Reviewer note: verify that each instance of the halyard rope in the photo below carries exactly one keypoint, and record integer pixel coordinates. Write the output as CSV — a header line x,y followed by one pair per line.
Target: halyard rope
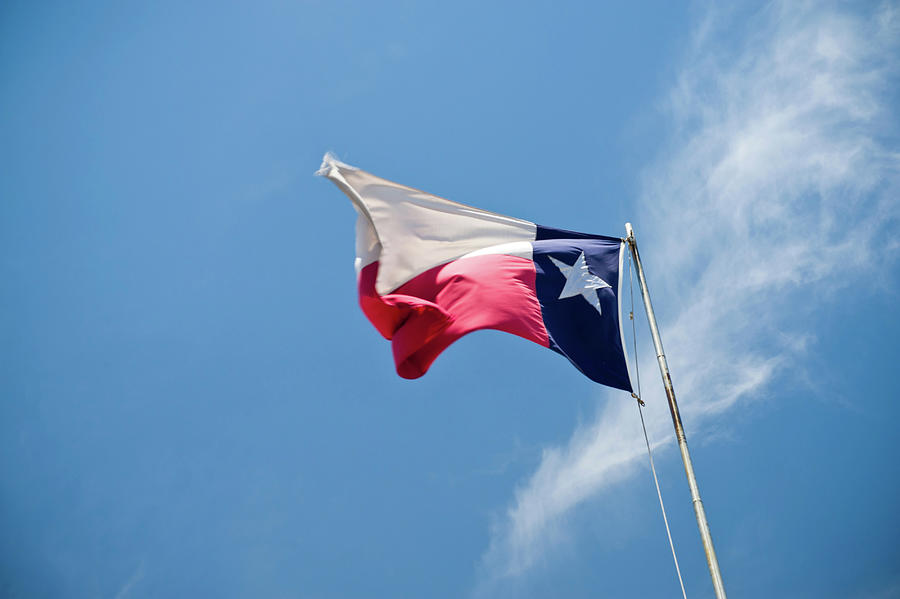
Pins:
x,y
640,403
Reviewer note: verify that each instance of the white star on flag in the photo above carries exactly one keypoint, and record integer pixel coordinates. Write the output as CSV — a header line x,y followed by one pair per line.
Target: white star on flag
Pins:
x,y
579,281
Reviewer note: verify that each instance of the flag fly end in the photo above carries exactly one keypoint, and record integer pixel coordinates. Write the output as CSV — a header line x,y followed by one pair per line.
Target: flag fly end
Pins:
x,y
330,163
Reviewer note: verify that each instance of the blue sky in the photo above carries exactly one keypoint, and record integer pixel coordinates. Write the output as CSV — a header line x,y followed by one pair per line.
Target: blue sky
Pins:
x,y
194,405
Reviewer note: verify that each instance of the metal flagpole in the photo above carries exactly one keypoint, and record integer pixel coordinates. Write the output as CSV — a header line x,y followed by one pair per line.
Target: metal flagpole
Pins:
x,y
711,560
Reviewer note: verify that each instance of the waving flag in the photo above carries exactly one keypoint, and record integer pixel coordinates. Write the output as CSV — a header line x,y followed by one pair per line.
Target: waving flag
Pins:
x,y
431,270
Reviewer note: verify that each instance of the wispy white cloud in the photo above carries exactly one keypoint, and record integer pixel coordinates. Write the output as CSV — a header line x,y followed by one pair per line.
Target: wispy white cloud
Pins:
x,y
135,578
779,183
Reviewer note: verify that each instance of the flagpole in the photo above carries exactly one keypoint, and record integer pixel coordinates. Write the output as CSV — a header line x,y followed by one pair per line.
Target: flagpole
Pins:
x,y
702,524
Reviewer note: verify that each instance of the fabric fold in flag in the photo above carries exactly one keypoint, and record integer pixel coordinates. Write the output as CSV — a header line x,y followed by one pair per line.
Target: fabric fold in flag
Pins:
x,y
430,270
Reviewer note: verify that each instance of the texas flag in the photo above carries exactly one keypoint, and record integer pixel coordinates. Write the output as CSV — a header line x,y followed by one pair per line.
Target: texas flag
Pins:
x,y
431,270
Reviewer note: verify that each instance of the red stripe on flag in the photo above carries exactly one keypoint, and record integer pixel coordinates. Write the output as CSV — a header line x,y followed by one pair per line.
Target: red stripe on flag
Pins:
x,y
425,315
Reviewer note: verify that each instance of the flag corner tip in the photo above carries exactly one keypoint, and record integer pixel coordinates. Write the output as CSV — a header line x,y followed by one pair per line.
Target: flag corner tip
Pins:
x,y
330,162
